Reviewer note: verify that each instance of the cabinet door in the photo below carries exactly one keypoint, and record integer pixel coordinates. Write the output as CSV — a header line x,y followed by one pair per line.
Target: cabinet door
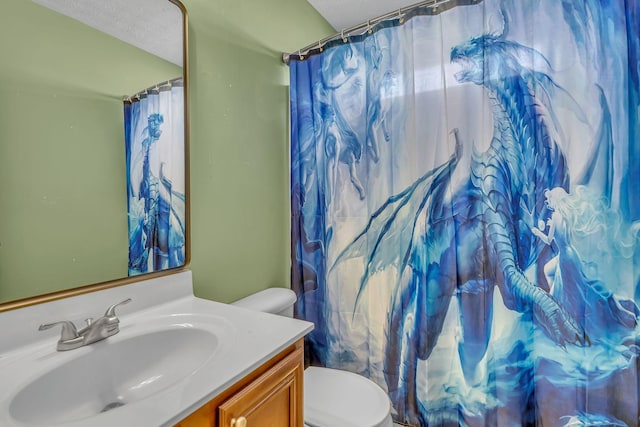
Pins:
x,y
274,399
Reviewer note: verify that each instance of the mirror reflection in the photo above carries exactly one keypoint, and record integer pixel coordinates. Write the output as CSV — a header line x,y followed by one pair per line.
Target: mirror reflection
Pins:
x,y
92,145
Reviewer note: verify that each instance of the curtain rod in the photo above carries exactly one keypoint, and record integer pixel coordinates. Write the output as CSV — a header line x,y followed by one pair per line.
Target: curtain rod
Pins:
x,y
358,32
136,97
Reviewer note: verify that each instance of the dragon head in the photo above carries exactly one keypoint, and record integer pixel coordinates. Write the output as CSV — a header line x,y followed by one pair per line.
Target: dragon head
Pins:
x,y
490,58
475,58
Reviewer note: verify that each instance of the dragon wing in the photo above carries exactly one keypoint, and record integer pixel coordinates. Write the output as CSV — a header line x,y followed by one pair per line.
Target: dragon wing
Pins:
x,y
388,237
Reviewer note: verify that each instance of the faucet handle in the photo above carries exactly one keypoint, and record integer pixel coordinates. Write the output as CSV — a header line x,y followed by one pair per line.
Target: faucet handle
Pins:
x,y
69,331
111,311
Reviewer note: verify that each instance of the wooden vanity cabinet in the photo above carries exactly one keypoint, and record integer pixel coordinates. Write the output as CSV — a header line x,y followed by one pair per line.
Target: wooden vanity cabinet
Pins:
x,y
270,396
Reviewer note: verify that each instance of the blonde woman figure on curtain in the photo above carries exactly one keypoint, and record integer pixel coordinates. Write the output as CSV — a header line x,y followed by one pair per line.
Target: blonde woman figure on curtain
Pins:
x,y
583,220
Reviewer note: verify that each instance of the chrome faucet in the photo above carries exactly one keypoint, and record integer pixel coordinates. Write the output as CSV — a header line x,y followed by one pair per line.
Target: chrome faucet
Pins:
x,y
97,330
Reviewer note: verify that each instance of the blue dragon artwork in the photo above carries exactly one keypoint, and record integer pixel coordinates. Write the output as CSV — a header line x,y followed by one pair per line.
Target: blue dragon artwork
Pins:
x,y
155,181
464,219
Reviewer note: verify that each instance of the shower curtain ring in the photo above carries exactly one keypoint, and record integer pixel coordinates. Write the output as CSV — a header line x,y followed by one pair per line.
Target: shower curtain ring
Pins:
x,y
319,46
369,30
342,36
300,55
400,16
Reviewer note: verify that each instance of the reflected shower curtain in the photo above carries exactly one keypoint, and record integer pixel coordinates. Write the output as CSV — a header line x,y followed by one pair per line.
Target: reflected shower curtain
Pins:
x,y
465,211
154,139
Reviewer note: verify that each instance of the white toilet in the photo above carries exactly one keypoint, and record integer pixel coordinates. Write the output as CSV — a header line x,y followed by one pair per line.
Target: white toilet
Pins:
x,y
332,398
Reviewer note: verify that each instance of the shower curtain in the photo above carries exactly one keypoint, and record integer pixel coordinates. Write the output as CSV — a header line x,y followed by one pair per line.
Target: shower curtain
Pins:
x,y
154,142
465,210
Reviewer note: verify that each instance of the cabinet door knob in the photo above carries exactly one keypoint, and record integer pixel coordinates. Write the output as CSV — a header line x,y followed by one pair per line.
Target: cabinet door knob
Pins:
x,y
239,422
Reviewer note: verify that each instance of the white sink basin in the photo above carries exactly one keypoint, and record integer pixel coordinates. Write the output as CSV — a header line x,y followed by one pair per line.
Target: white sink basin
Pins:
x,y
115,372
174,353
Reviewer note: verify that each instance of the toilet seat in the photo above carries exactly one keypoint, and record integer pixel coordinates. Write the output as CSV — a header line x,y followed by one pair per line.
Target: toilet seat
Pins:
x,y
335,398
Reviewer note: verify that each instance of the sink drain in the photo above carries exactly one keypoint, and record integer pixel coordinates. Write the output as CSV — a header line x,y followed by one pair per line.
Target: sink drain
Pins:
x,y
112,405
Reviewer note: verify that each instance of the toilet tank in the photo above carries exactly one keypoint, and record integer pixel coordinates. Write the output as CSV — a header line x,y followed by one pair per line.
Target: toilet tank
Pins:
x,y
272,300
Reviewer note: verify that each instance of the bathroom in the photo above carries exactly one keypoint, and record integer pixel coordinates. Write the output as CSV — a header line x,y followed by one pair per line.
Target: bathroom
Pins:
x,y
240,240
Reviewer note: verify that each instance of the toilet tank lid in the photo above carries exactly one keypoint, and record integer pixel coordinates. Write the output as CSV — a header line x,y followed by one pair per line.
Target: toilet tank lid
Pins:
x,y
271,300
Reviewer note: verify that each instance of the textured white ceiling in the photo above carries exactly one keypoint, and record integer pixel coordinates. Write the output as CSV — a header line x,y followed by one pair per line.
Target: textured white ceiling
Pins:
x,y
342,14
152,25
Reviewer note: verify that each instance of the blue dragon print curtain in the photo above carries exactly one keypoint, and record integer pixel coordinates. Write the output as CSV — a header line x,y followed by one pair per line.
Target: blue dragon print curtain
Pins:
x,y
154,140
464,192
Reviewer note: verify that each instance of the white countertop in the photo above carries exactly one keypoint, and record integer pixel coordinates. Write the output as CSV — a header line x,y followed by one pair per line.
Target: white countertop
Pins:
x,y
247,339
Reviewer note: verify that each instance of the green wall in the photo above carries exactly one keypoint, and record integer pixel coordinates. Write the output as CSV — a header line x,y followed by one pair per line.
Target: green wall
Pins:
x,y
239,140
239,145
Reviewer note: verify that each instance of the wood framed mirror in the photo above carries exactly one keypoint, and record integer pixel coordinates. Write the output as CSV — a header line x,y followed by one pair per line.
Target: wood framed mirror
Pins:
x,y
65,221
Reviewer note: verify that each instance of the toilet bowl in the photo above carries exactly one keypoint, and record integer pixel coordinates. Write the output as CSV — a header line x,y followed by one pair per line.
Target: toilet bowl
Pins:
x,y
332,397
